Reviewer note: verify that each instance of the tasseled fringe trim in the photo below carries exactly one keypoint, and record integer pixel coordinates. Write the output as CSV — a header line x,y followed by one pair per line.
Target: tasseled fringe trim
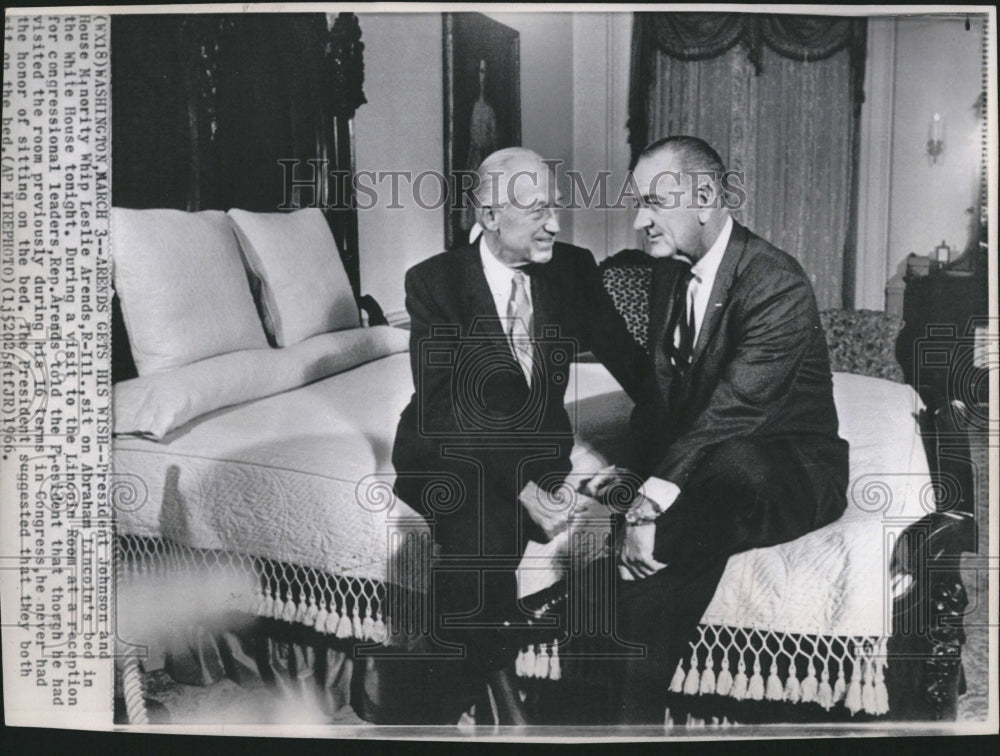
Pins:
x,y
539,661
824,670
332,605
692,721
327,617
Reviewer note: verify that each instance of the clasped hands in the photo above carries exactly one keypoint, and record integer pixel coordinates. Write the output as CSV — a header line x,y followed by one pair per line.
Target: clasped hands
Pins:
x,y
618,488
554,510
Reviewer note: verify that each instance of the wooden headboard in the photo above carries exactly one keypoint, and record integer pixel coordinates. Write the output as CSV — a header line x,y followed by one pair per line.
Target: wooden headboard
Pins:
x,y
205,106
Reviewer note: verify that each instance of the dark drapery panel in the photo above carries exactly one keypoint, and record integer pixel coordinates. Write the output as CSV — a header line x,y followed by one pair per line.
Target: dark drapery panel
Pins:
x,y
700,36
810,37
691,36
779,98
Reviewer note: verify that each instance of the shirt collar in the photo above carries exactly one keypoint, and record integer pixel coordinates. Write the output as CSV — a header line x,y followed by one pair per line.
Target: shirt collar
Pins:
x,y
706,268
498,275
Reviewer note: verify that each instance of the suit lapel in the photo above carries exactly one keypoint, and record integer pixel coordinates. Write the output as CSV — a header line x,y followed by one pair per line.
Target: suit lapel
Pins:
x,y
666,274
481,312
479,307
545,302
720,289
542,300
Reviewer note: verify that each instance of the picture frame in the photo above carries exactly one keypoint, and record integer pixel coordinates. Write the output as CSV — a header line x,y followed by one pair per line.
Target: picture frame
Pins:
x,y
482,105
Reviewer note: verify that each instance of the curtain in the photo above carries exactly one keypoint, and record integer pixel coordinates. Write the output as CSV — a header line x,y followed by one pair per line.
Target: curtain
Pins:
x,y
778,97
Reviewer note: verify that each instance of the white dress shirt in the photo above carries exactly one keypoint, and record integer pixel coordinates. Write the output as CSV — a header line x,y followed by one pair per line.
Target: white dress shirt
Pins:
x,y
499,279
700,288
664,492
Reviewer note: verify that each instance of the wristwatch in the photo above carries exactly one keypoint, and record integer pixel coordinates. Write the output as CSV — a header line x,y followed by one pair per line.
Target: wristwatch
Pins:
x,y
634,516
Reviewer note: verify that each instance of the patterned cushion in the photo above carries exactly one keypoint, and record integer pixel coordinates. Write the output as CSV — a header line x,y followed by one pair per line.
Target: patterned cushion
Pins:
x,y
627,276
860,341
863,342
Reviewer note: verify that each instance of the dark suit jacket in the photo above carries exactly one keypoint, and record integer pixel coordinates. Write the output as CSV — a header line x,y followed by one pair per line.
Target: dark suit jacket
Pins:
x,y
760,369
470,391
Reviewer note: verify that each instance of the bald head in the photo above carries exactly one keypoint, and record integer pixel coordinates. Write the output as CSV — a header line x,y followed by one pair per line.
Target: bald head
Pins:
x,y
516,200
510,177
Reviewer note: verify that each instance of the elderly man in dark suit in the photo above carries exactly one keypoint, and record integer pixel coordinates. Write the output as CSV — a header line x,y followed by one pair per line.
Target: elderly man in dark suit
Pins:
x,y
495,326
740,449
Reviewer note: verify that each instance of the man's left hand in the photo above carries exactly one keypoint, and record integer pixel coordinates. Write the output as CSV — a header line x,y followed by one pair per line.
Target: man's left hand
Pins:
x,y
635,552
552,511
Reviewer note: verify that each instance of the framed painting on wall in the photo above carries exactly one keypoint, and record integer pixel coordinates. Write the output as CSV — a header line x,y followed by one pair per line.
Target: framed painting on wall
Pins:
x,y
482,106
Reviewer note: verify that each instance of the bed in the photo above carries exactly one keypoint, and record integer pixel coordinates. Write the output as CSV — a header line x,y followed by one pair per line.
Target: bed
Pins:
x,y
271,465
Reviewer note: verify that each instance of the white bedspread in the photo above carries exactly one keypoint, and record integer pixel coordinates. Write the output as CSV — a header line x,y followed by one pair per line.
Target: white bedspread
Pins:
x,y
279,478
787,588
304,476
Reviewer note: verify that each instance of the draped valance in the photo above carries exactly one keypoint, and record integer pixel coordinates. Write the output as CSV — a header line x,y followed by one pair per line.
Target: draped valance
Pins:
x,y
698,36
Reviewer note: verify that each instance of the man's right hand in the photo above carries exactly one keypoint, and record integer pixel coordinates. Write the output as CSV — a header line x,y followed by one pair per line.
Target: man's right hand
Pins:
x,y
614,486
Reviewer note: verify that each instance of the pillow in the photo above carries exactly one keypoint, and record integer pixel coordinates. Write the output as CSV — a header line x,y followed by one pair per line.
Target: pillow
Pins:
x,y
304,287
863,342
156,404
872,412
182,287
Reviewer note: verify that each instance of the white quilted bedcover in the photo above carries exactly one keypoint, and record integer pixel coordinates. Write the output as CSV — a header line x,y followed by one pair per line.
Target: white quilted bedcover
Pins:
x,y
303,476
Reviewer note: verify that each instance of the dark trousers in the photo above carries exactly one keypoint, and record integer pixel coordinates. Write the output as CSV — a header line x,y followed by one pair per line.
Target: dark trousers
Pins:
x,y
744,494
481,537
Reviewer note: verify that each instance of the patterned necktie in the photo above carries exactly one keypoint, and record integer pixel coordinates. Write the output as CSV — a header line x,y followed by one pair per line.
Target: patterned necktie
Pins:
x,y
519,318
683,316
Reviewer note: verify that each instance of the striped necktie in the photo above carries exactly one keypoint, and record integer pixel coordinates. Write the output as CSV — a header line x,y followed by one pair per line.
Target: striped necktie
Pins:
x,y
519,319
683,319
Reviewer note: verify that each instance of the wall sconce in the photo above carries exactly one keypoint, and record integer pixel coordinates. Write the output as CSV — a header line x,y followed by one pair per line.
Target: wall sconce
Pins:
x,y
935,144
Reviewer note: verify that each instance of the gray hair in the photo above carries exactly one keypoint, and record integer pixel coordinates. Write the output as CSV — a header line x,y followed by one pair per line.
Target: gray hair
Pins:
x,y
493,174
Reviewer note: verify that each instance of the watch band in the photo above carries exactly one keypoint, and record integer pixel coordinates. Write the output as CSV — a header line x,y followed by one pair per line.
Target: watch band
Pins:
x,y
633,517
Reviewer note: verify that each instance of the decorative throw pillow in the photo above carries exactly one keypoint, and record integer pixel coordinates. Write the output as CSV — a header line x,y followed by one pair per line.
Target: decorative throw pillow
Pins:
x,y
182,286
304,288
627,276
863,342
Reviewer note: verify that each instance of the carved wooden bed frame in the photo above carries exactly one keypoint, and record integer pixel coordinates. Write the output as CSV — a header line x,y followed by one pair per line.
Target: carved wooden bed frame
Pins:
x,y
188,92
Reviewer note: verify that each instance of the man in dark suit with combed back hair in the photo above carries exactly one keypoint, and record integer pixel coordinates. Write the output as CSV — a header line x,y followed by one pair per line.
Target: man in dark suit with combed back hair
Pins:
x,y
739,449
